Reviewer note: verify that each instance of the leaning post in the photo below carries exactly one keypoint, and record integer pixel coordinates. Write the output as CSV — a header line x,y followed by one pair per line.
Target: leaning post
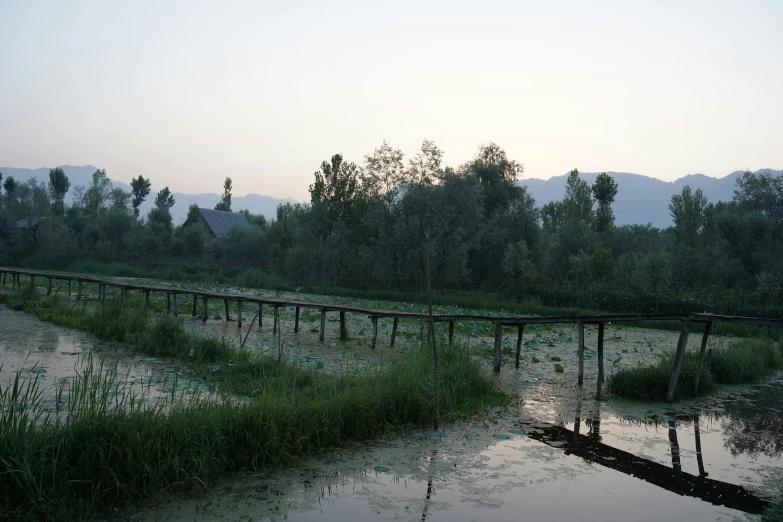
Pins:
x,y
498,345
260,315
678,358
394,331
600,360
239,313
704,340
581,349
520,333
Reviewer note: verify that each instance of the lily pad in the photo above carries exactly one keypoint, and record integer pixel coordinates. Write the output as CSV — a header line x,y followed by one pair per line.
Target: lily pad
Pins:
x,y
37,370
501,436
381,469
559,368
436,434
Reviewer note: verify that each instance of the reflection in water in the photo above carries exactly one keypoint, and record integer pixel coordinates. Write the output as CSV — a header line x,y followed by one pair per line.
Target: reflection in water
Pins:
x,y
430,477
699,458
677,481
754,425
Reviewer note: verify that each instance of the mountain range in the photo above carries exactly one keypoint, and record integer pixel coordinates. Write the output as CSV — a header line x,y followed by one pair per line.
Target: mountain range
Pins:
x,y
640,199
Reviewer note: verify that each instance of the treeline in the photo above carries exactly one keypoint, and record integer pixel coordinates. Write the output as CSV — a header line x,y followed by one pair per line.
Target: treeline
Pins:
x,y
371,225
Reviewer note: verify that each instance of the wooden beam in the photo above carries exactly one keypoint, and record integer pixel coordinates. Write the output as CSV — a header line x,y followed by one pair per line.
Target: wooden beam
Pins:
x,y
323,326
239,313
394,331
374,332
704,340
678,358
343,329
296,320
581,350
600,379
451,333
520,333
498,346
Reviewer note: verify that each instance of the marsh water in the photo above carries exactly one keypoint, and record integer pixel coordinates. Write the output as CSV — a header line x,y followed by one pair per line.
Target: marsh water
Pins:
x,y
554,454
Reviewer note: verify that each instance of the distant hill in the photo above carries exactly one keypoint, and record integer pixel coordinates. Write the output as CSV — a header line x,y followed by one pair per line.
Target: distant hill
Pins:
x,y
82,176
641,199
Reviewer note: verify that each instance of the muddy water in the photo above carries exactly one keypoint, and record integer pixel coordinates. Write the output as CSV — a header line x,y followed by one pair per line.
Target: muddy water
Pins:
x,y
629,461
54,356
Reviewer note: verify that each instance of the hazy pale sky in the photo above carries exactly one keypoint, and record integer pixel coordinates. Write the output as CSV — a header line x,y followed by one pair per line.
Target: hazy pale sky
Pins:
x,y
187,93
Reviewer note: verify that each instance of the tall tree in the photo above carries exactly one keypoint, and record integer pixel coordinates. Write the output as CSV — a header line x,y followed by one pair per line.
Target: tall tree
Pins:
x,y
58,187
335,188
761,192
9,185
225,201
383,173
604,190
497,175
193,215
164,199
578,202
688,213
140,188
97,194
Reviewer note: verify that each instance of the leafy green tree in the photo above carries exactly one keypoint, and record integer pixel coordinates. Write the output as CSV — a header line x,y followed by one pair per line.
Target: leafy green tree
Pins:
x,y
761,192
688,211
384,172
140,188
97,194
58,187
225,200
497,175
578,201
334,191
164,200
194,214
9,185
604,191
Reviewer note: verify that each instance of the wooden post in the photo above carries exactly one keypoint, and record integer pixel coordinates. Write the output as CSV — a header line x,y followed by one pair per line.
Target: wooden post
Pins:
x,y
239,313
704,339
520,333
228,313
343,329
451,333
3,278
174,302
146,299
195,308
374,332
101,292
275,319
79,290
204,309
394,331
49,286
261,314
600,360
681,345
581,349
13,281
498,346
675,446
296,320
69,288
323,326
168,301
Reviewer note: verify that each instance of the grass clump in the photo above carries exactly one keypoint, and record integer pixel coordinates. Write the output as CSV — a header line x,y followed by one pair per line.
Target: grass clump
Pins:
x,y
746,361
775,512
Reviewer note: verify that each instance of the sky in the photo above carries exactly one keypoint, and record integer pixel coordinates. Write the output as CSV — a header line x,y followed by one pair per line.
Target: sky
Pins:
x,y
187,93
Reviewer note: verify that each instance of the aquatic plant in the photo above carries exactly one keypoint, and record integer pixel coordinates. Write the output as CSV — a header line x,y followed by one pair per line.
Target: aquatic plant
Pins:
x,y
747,360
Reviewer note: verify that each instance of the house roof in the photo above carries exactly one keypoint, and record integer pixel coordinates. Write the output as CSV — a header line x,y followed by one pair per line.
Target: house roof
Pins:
x,y
220,222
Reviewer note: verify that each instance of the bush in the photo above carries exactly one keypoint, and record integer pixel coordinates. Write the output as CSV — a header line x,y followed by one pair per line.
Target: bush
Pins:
x,y
748,360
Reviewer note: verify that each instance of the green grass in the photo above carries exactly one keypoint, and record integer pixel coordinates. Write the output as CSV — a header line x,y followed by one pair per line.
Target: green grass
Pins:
x,y
104,449
746,361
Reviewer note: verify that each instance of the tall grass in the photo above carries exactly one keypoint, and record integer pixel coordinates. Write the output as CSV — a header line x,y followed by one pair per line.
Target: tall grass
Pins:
x,y
104,448
748,360
775,512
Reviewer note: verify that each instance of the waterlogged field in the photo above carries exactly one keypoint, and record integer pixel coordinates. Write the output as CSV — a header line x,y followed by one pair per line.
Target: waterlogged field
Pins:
x,y
517,461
